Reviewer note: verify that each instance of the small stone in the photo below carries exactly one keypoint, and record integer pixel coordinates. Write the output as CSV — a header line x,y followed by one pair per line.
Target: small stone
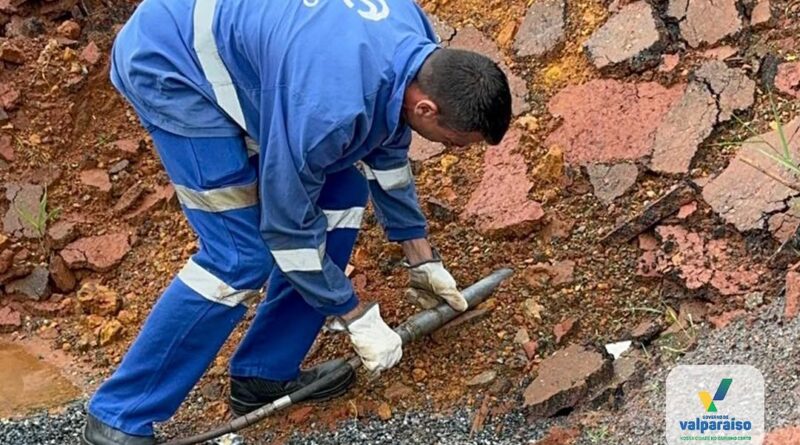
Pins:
x,y
762,13
99,253
721,53
119,166
444,32
551,169
500,204
384,411
562,329
530,349
630,38
397,392
422,149
482,379
10,320
440,211
11,53
6,259
62,233
542,30
725,318
110,331
506,33
532,309
91,53
61,275
787,80
97,179
522,336
35,286
687,210
612,181
69,29
618,348
94,298
300,415
792,305
9,96
129,198
669,62
161,196
560,436
558,273
127,145
645,331
126,317
565,378
7,148
753,300
419,374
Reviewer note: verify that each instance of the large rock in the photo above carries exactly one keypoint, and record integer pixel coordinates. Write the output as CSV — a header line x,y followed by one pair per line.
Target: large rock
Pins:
x,y
99,253
24,202
542,30
612,181
35,286
62,277
97,179
565,378
746,193
630,38
705,21
609,120
787,80
471,39
500,204
711,98
62,233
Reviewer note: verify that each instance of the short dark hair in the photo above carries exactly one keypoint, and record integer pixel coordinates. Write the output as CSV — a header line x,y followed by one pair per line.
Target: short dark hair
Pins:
x,y
470,90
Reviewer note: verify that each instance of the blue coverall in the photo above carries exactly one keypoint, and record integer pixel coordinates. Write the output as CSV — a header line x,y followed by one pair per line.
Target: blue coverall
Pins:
x,y
259,111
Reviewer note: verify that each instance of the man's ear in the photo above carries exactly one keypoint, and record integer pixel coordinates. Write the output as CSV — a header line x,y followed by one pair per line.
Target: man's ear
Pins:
x,y
426,108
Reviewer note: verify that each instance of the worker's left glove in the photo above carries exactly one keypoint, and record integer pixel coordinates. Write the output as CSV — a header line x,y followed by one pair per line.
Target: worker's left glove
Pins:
x,y
429,281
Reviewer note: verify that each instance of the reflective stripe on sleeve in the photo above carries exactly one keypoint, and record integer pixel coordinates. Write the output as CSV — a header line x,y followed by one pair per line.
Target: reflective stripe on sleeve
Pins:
x,y
212,288
299,260
207,53
218,200
395,178
344,219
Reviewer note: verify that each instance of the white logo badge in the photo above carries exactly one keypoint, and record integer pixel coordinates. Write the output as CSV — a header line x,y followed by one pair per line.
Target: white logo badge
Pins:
x,y
375,10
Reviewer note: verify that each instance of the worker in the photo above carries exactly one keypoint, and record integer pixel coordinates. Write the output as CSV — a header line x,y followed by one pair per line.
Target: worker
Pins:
x,y
275,122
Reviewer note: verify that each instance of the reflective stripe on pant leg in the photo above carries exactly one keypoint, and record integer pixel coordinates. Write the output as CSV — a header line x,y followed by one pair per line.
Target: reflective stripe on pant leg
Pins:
x,y
299,260
212,288
344,219
218,200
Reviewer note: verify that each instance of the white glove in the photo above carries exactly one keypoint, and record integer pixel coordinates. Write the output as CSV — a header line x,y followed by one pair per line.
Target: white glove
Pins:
x,y
375,342
431,279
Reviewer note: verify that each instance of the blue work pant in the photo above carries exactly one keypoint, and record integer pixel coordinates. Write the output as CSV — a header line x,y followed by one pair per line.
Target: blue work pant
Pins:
x,y
203,304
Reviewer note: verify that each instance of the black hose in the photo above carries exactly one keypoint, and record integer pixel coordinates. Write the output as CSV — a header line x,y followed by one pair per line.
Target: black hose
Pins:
x,y
418,325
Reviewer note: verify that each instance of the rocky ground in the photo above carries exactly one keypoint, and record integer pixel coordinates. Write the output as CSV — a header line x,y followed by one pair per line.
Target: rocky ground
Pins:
x,y
642,195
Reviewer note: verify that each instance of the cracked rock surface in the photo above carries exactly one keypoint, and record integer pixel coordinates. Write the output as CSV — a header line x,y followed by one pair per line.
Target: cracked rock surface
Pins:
x,y
743,195
608,120
705,21
98,253
711,98
24,203
630,37
543,28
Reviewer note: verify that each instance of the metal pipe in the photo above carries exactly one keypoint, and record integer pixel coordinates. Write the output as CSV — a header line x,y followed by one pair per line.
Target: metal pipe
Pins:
x,y
418,325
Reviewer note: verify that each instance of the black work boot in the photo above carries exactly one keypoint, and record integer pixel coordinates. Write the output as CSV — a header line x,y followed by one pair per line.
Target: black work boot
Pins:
x,y
96,432
251,393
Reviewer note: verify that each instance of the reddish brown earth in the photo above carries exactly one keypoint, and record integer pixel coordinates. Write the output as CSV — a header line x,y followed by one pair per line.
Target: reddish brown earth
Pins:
x,y
526,203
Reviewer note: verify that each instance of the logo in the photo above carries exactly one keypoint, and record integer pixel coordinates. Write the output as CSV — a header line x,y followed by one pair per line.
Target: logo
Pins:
x,y
708,402
733,414
374,10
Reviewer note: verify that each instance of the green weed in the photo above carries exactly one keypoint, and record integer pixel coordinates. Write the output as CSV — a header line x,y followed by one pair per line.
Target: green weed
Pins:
x,y
38,222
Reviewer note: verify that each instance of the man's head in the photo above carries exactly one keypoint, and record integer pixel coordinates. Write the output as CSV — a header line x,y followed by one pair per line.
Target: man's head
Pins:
x,y
459,98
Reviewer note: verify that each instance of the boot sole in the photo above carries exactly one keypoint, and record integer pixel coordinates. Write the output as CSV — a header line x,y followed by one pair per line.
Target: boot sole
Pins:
x,y
241,408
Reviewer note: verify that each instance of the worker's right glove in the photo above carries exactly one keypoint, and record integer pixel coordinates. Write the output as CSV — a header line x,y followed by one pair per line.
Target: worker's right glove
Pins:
x,y
375,342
